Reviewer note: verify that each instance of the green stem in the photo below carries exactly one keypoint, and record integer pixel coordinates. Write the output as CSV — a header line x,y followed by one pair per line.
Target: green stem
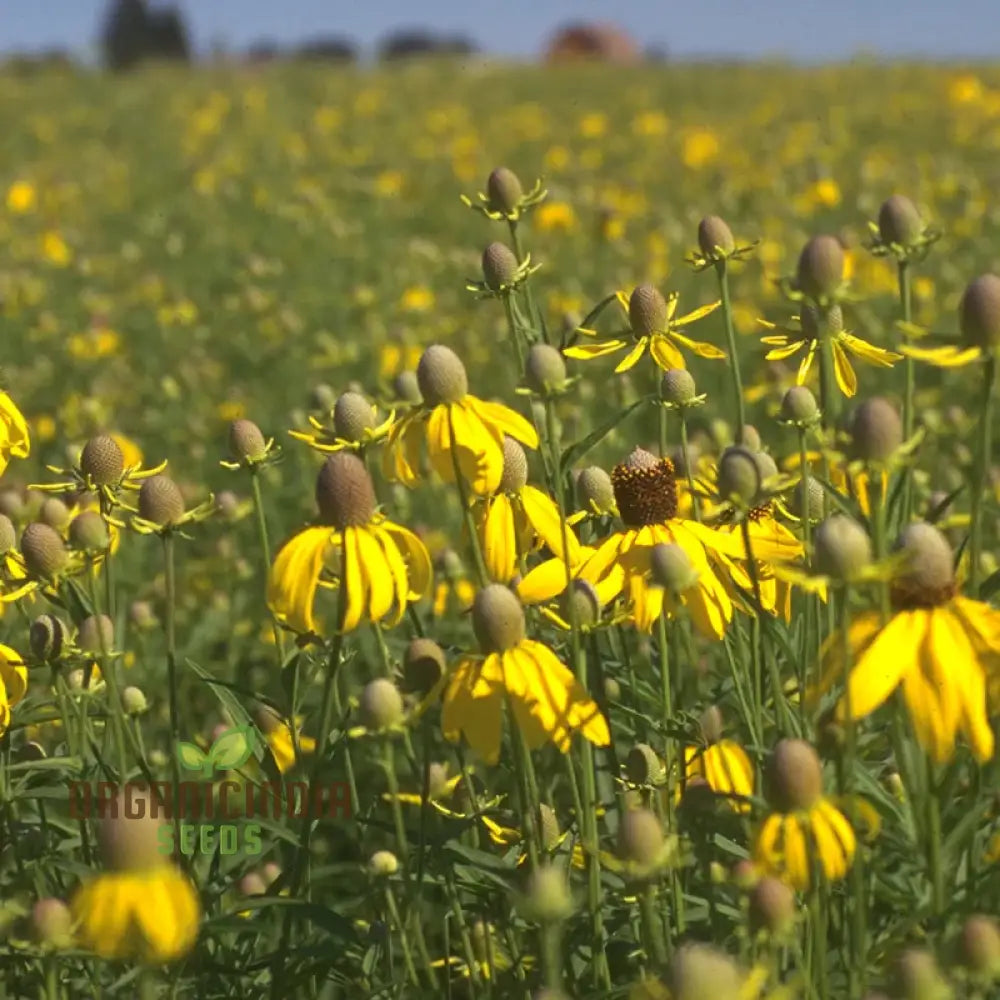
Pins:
x,y
397,810
109,672
170,626
979,474
463,496
686,458
909,379
652,928
671,761
411,969
722,273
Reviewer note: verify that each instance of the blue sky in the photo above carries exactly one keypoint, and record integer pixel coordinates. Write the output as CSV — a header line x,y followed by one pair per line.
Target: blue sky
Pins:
x,y
804,29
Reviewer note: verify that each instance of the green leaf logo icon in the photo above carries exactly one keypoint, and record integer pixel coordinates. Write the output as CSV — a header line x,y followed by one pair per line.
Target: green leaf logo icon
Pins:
x,y
232,748
191,758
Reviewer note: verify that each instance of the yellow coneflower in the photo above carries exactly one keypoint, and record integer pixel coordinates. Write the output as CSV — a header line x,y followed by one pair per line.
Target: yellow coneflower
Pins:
x,y
580,600
512,521
460,429
941,648
13,683
383,566
806,829
653,326
722,763
143,908
646,496
355,426
548,702
787,342
14,439
45,560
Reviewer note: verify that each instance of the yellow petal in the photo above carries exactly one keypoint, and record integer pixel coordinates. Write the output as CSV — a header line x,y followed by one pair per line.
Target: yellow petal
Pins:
x,y
665,354
584,352
498,539
696,314
843,371
632,358
543,516
294,576
948,356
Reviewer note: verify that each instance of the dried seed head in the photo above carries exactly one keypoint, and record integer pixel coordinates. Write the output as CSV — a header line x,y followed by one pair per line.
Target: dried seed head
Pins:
x,y
979,946
544,368
499,266
842,548
102,461
504,191
644,767
97,634
352,416
814,500
979,312
899,221
821,267
711,724
380,705
88,532
772,906
916,976
246,441
640,837
160,501
739,476
497,619
382,864
515,467
54,513
876,430
677,387
580,599
406,387
345,494
441,376
134,700
46,637
424,665
43,550
647,311
928,576
794,777
546,899
129,832
8,534
698,971
594,489
645,489
799,405
671,568
714,235
51,923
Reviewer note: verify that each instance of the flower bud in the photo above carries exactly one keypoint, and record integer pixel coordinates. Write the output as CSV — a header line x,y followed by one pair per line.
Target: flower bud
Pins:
x,y
671,568
794,777
160,501
141,615
515,467
252,884
8,534
876,430
322,397
383,864
544,369
699,971
899,221
579,601
352,416
381,705
43,550
715,238
129,831
594,489
97,634
424,665
643,766
54,513
711,724
640,837
647,311
815,496
88,532
930,561
842,547
441,376
344,491
406,387
677,387
821,267
499,266
51,923
12,503
799,406
246,441
134,701
979,946
46,637
102,461
546,899
497,618
739,478
772,906
979,312
504,191
915,976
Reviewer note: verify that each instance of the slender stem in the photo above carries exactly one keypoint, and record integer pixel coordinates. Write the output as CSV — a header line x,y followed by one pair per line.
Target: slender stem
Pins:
x,y
551,940
109,673
651,926
686,458
722,273
170,626
265,545
463,496
397,810
671,761
529,298
829,403
979,473
909,377
411,969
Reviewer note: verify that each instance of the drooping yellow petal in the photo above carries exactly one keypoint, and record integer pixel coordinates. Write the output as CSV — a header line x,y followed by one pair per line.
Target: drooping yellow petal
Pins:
x,y
418,562
585,352
377,574
956,659
795,852
785,351
806,363
504,420
844,371
498,538
632,358
473,706
696,314
699,347
543,515
294,577
869,352
948,356
665,353
13,674
354,582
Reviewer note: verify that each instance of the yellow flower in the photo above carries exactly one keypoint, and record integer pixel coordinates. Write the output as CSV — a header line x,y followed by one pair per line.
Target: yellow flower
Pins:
x,y
100,342
149,915
514,519
13,683
450,414
806,828
55,249
278,735
21,197
646,496
454,590
845,345
941,648
14,440
555,215
548,702
653,326
355,426
701,147
417,299
549,579
382,565
722,763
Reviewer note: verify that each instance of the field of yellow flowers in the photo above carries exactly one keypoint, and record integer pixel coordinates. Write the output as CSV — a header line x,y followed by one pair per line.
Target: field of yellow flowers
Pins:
x,y
486,531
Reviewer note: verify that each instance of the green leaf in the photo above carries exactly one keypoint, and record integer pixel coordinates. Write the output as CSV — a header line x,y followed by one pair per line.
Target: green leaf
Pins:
x,y
225,693
190,756
588,320
576,451
232,748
